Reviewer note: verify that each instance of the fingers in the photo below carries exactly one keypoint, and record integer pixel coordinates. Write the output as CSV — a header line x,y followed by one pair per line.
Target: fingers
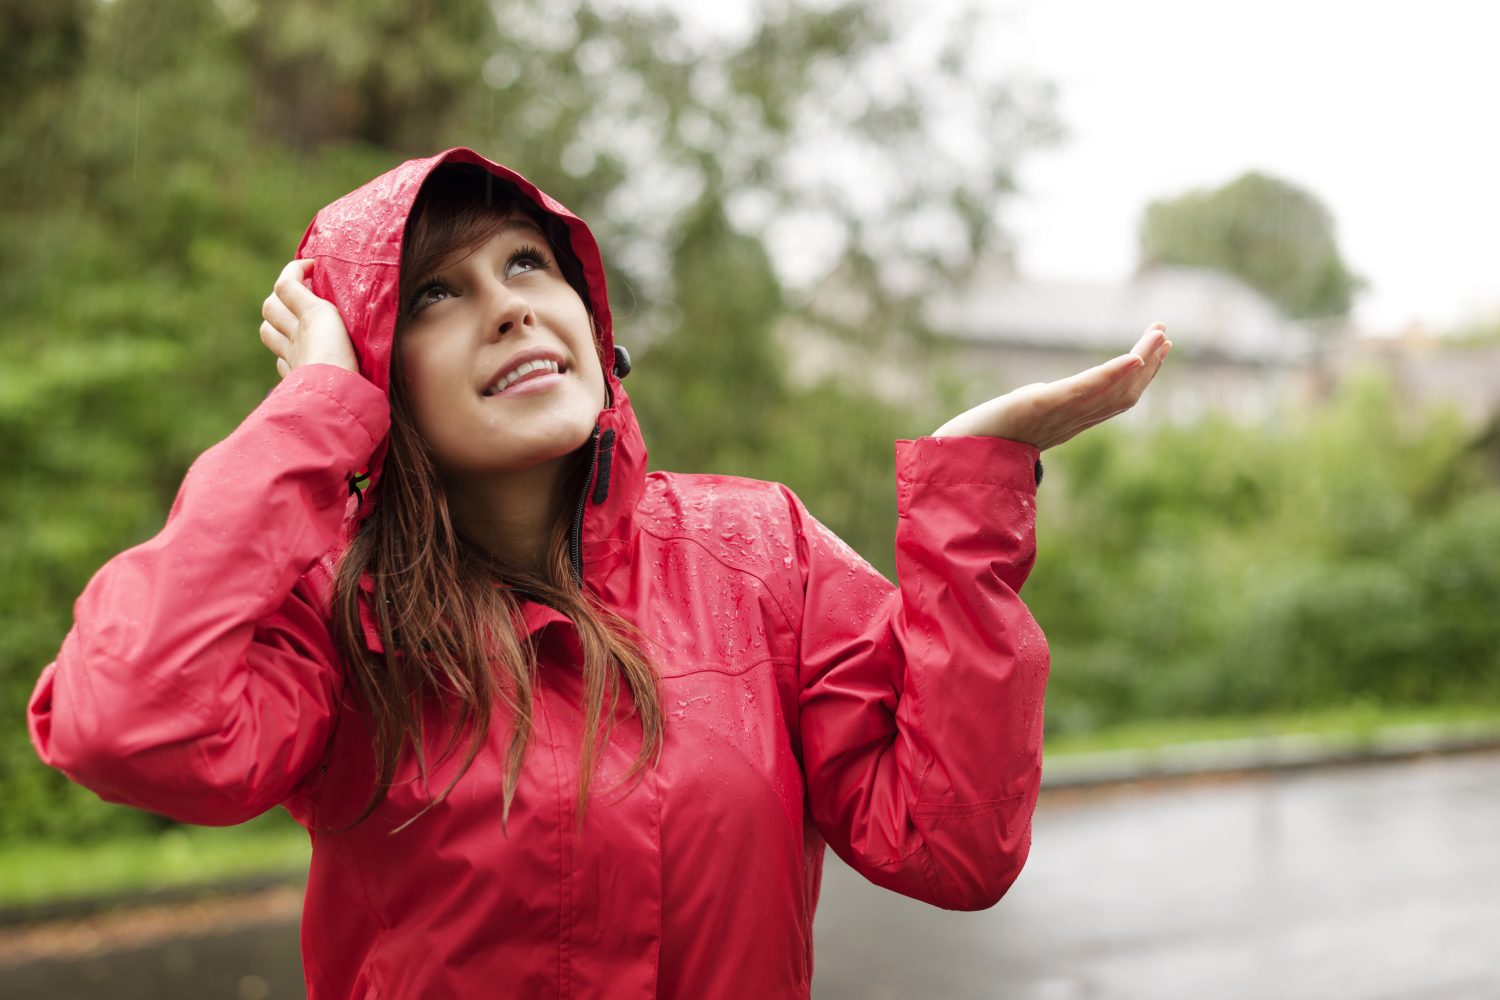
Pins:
x,y
279,321
274,311
275,341
300,328
1155,334
1116,373
1149,351
1107,390
1128,391
1049,413
1111,405
291,288
1079,388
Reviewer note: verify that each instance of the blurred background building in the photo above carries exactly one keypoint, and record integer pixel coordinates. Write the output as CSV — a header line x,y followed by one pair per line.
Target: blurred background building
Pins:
x,y
1236,352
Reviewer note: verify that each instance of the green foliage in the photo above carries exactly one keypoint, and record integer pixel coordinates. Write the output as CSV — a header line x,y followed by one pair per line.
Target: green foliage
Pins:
x,y
50,871
1269,233
387,73
719,363
1222,569
160,158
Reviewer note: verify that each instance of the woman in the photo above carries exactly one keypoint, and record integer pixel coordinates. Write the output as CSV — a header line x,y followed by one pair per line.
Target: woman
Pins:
x,y
558,727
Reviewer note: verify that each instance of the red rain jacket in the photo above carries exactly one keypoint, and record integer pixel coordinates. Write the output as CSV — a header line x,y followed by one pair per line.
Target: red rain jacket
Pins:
x,y
808,701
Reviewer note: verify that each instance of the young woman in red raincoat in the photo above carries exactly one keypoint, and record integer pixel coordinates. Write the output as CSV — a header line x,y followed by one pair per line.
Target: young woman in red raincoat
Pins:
x,y
558,727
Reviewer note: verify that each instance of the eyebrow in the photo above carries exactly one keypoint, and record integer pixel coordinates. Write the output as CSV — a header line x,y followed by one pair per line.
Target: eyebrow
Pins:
x,y
522,222
510,225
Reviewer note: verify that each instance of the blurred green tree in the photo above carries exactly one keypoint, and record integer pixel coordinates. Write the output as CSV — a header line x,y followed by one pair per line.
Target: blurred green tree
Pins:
x,y
160,157
1269,233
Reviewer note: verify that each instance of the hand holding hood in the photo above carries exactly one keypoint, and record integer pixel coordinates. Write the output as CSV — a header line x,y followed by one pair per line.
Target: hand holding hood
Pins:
x,y
356,245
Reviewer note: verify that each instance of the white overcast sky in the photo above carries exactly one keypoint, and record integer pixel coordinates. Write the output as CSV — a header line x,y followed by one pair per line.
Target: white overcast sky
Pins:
x,y
1387,112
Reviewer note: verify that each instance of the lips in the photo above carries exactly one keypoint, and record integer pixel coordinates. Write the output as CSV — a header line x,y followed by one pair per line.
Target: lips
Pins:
x,y
527,365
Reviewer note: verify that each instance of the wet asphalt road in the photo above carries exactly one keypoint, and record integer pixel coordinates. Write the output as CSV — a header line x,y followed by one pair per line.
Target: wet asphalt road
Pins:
x,y
1358,883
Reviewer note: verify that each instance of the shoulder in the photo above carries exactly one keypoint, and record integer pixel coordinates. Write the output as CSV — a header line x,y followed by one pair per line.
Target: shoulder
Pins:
x,y
743,523
689,503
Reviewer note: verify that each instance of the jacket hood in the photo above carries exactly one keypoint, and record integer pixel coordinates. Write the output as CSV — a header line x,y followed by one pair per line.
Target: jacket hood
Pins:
x,y
356,244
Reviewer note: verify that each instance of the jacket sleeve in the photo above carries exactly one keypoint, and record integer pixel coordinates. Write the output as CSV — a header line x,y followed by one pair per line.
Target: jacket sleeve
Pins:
x,y
198,680
921,706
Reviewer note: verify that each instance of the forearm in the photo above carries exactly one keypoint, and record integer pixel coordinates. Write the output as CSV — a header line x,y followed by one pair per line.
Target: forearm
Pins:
x,y
163,664
924,735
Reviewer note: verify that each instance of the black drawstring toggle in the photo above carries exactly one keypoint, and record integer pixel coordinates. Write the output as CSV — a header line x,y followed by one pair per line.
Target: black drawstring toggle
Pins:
x,y
606,459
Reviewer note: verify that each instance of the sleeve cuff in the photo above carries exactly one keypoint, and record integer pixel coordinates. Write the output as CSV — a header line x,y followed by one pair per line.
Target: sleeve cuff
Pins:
x,y
350,391
969,460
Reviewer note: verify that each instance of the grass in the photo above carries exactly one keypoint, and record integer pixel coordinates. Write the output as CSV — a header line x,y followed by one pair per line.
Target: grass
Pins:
x,y
1357,720
32,873
182,856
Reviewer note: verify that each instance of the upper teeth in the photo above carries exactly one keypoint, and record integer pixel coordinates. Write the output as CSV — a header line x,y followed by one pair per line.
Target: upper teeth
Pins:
x,y
520,372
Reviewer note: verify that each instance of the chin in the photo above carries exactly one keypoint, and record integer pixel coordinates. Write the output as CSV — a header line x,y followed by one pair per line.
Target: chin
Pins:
x,y
545,449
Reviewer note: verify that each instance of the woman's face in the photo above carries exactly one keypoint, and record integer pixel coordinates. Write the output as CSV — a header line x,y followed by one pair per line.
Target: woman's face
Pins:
x,y
498,355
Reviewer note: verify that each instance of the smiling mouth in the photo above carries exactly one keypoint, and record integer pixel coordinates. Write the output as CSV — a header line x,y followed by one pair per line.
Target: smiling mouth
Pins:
x,y
524,372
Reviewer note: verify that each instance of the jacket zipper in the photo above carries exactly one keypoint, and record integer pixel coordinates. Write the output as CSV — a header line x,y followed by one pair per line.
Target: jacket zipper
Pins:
x,y
575,531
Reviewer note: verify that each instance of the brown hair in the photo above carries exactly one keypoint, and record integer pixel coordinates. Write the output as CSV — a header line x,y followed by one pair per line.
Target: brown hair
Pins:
x,y
447,610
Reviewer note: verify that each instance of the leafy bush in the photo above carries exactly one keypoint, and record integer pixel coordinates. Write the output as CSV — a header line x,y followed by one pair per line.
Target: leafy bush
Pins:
x,y
157,165
1226,569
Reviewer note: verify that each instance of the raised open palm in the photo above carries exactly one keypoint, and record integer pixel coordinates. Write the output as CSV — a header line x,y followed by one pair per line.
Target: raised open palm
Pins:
x,y
1048,413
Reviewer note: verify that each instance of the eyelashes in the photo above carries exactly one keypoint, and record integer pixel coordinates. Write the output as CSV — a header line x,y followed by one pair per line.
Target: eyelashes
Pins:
x,y
418,298
526,253
531,253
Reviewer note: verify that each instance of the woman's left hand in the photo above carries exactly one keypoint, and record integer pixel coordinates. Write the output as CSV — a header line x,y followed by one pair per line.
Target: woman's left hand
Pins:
x,y
302,329
1049,413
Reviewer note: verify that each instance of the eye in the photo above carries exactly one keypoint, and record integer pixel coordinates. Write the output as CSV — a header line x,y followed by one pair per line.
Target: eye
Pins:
x,y
432,291
525,259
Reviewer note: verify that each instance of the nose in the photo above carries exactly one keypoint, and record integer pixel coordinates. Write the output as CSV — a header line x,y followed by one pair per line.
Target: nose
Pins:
x,y
510,310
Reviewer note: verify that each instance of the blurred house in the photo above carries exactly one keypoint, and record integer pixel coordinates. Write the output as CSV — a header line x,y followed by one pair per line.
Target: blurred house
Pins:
x,y
1233,350
1428,371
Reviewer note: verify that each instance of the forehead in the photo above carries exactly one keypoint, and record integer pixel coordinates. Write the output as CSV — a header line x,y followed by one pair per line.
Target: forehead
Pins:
x,y
519,221
515,224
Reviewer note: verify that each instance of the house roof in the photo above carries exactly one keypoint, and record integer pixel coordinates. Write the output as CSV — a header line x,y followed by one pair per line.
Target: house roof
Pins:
x,y
1208,314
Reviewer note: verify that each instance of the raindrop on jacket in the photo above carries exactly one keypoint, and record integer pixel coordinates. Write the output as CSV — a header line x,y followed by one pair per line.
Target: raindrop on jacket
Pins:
x,y
808,701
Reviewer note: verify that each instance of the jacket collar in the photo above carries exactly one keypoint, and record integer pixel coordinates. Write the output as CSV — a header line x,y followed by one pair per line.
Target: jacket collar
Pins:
x,y
614,489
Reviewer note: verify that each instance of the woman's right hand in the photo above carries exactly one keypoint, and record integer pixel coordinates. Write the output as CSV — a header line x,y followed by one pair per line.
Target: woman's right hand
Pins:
x,y
302,329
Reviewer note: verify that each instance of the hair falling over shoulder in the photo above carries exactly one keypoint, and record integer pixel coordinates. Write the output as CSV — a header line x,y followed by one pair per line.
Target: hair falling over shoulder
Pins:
x,y
449,612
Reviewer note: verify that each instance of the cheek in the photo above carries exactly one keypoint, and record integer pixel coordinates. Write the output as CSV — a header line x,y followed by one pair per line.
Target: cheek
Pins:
x,y
594,376
587,354
430,389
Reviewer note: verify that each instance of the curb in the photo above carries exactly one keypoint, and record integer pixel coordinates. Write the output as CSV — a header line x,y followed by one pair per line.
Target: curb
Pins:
x,y
1210,758
80,907
1257,754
